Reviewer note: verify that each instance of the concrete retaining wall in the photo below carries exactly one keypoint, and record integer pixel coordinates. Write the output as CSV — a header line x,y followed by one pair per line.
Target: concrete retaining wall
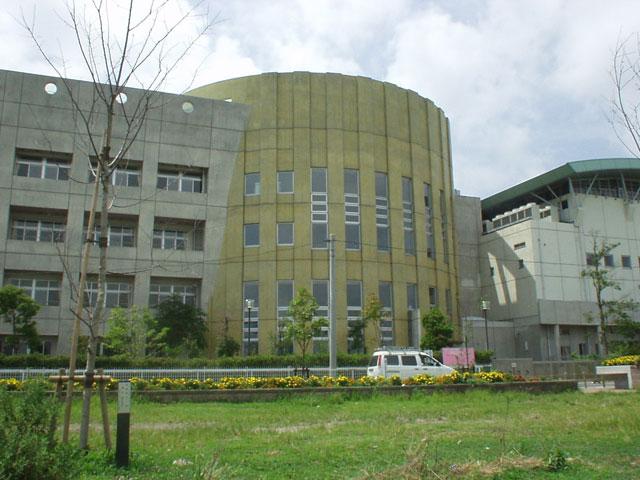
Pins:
x,y
266,394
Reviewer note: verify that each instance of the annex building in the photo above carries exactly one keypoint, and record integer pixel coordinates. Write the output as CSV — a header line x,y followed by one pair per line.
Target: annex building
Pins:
x,y
230,193
532,241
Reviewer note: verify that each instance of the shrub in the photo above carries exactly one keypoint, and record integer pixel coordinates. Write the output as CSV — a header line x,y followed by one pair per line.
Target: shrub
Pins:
x,y
27,435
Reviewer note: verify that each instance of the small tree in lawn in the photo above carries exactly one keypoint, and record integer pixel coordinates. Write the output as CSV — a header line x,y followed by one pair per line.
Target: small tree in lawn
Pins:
x,y
374,313
302,326
18,309
608,310
438,331
185,325
135,333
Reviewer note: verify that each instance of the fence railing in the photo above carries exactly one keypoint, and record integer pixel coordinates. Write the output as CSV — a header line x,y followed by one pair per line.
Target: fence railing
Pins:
x,y
215,374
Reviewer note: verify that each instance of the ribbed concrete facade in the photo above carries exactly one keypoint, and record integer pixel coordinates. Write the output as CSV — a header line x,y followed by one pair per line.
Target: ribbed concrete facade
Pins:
x,y
371,163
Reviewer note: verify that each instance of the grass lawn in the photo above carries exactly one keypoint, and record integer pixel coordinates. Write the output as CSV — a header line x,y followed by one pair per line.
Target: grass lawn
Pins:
x,y
472,435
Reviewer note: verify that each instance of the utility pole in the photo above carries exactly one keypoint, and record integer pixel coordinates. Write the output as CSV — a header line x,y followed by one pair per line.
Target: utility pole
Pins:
x,y
332,306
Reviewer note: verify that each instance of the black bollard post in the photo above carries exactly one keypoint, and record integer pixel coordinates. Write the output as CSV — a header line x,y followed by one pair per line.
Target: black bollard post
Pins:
x,y
122,431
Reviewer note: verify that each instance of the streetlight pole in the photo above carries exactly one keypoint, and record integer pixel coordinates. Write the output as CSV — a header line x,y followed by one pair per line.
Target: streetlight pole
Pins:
x,y
249,303
486,305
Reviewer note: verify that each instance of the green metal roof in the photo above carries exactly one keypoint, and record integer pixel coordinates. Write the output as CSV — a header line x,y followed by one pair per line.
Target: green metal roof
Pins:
x,y
567,170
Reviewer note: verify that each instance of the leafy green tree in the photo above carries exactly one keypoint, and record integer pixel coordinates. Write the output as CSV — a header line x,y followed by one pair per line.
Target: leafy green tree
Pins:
x,y
374,313
302,326
186,326
438,331
609,310
18,309
135,332
356,334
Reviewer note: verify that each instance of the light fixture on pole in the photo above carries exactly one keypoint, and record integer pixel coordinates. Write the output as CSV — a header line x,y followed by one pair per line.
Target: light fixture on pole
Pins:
x,y
249,304
485,305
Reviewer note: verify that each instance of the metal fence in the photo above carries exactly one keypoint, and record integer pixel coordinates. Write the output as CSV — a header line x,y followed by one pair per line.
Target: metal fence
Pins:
x,y
215,374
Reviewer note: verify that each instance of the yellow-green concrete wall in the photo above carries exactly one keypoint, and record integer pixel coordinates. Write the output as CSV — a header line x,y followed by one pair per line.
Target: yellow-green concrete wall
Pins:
x,y
302,120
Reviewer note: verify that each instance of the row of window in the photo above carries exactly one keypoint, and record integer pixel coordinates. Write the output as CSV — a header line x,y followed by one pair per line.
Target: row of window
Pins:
x,y
170,177
284,182
46,292
609,261
117,235
319,202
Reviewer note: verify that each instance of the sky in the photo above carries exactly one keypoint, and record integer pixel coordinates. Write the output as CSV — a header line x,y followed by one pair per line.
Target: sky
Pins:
x,y
526,84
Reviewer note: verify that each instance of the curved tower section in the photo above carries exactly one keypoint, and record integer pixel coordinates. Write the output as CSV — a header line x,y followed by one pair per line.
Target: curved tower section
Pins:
x,y
322,154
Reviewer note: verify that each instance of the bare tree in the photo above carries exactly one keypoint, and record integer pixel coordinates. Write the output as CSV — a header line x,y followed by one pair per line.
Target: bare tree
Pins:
x,y
141,48
625,73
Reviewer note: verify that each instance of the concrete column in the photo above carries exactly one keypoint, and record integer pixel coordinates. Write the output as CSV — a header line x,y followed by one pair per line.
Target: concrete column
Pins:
x,y
556,338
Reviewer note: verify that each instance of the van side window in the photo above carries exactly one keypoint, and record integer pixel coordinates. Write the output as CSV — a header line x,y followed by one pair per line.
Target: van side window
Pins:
x,y
409,360
392,360
428,361
374,361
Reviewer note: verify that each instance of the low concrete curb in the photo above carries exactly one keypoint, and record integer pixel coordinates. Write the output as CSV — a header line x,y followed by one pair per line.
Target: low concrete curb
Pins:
x,y
270,394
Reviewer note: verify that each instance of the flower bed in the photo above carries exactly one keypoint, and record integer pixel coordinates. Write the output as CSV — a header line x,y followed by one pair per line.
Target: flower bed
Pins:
x,y
625,360
239,383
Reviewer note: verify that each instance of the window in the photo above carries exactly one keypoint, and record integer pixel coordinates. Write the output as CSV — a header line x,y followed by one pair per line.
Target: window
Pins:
x,y
392,360
626,261
608,261
351,209
180,181
412,296
252,184
252,235
320,291
285,181
118,294
492,271
385,294
444,226
285,233
44,292
128,176
520,263
591,260
428,221
319,208
518,246
564,204
285,295
37,231
250,326
169,239
433,297
117,235
409,360
382,212
407,215
159,291
354,314
42,165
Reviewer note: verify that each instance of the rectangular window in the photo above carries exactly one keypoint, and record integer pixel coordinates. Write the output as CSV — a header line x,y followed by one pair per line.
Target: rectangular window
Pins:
x,y
252,235
492,271
444,226
608,261
285,181
520,263
428,221
591,260
354,316
285,233
126,177
382,212
319,208
37,231
320,291
626,261
352,209
407,215
117,235
44,292
412,296
160,290
43,165
169,239
285,295
252,184
433,297
518,246
385,294
180,181
250,325
118,294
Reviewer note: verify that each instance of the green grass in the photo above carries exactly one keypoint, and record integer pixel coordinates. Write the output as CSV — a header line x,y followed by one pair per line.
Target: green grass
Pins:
x,y
473,435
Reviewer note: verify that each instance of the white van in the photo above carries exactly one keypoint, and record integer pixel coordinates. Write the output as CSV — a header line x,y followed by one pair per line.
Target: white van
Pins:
x,y
404,362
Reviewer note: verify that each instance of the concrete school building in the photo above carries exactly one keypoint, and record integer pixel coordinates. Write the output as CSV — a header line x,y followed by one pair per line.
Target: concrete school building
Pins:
x,y
532,242
229,193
